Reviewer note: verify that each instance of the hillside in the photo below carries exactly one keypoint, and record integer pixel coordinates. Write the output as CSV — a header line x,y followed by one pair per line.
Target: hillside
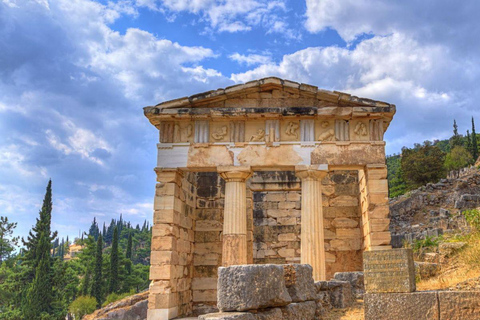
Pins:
x,y
435,209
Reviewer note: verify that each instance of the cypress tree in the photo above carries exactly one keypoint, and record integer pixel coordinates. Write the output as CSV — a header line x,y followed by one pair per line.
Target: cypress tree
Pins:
x,y
474,142
86,282
455,140
113,280
129,253
42,225
97,274
94,231
40,294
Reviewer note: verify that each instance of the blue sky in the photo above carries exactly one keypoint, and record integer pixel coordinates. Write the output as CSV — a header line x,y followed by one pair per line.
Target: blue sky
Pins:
x,y
75,74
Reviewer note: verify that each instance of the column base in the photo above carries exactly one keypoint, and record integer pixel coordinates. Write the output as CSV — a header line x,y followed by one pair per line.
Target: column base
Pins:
x,y
162,314
234,251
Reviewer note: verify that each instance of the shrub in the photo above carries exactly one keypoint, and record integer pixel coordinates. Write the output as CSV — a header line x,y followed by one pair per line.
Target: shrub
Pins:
x,y
112,297
83,305
473,218
428,242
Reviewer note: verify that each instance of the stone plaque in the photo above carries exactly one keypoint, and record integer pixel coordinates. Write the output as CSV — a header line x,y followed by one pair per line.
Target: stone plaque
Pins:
x,y
389,271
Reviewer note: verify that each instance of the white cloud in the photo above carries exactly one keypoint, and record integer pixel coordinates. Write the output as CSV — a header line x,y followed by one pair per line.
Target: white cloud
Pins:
x,y
230,15
71,93
425,81
250,59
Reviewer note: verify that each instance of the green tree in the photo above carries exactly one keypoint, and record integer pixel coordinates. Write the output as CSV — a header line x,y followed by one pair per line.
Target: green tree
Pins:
x,y
7,241
40,294
97,275
129,253
42,226
422,164
474,142
458,158
455,140
396,184
113,276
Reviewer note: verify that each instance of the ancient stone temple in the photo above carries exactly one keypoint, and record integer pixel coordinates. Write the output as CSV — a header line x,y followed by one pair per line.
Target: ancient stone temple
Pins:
x,y
270,171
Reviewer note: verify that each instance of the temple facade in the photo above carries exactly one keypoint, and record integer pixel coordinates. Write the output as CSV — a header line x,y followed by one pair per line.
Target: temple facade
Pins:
x,y
270,171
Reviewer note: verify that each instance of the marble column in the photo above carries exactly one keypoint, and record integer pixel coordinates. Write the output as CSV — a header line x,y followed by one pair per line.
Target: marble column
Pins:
x,y
312,234
234,251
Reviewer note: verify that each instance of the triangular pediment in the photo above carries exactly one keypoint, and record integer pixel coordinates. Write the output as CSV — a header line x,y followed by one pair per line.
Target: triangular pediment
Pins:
x,y
269,95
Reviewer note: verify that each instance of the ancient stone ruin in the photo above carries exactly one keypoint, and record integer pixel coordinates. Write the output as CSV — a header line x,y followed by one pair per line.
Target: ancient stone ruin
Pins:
x,y
267,172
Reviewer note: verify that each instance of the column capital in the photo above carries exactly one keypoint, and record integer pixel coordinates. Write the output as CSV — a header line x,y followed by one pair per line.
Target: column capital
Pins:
x,y
314,172
235,173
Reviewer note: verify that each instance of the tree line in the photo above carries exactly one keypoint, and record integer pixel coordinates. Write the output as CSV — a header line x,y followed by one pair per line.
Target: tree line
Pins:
x,y
37,282
431,161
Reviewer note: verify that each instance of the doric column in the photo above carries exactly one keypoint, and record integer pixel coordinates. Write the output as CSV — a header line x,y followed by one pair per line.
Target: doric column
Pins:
x,y
234,250
312,234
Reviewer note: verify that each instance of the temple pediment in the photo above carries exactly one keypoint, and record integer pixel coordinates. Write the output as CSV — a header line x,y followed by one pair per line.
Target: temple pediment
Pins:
x,y
270,98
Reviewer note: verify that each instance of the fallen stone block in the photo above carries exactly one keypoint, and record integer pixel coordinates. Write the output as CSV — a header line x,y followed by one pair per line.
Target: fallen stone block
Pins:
x,y
251,287
339,292
355,279
300,311
459,305
448,249
341,295
299,282
227,316
411,305
426,270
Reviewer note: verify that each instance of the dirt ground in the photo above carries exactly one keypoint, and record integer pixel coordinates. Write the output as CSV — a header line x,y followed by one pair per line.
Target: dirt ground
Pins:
x,y
355,312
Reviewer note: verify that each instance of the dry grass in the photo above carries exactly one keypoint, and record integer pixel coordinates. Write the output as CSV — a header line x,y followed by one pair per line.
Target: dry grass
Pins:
x,y
355,312
448,279
461,267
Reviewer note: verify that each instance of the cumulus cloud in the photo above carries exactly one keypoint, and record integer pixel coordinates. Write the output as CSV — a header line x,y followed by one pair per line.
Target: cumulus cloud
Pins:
x,y
230,15
71,93
426,83
250,59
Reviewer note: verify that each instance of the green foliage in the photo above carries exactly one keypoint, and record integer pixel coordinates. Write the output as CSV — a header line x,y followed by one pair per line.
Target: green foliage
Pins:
x,y
112,297
473,218
97,275
40,293
422,164
129,253
38,284
7,241
455,140
458,158
396,184
83,305
428,242
113,276
474,142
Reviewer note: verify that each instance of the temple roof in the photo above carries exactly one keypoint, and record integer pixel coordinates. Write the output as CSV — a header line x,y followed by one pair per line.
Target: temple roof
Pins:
x,y
266,94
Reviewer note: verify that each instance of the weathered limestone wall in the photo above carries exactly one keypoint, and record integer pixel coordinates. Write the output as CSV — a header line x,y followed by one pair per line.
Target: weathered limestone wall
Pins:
x,y
277,219
208,242
373,186
171,259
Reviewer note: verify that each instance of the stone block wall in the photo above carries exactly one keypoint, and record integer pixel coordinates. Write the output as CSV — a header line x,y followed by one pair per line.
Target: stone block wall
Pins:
x,y
208,242
208,227
373,186
277,219
172,245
